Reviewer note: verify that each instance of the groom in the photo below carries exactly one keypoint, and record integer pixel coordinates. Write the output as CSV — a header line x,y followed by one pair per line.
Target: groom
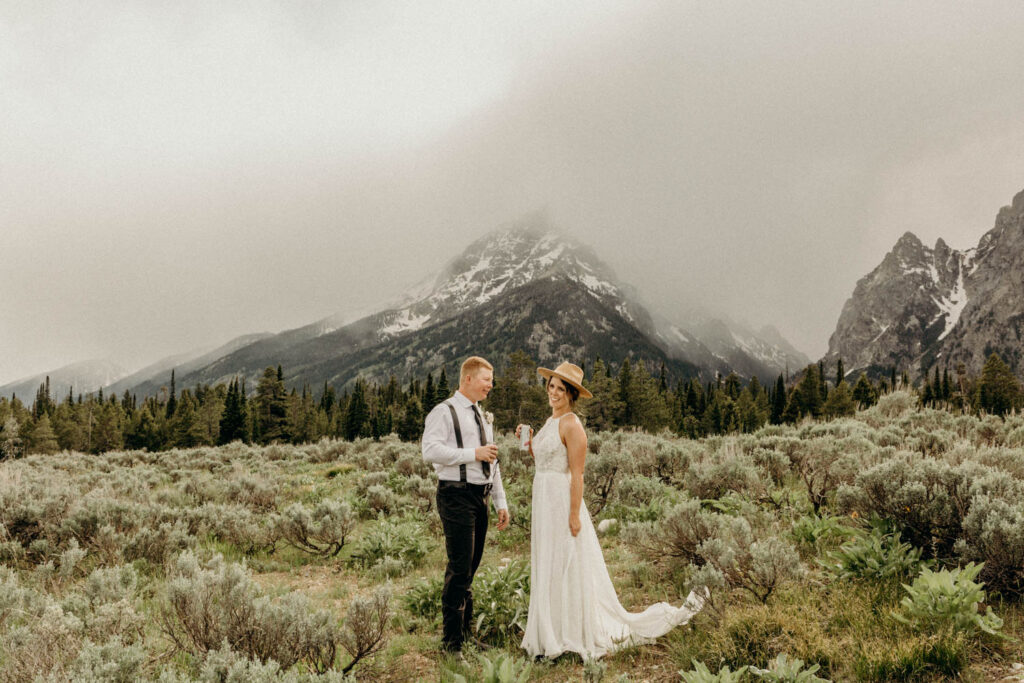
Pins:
x,y
459,445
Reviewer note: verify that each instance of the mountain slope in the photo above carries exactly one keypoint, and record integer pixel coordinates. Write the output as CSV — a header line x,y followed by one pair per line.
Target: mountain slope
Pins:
x,y
150,379
923,307
82,378
525,287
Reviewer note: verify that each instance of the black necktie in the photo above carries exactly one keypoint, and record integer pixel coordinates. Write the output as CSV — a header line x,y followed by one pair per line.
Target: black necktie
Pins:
x,y
484,465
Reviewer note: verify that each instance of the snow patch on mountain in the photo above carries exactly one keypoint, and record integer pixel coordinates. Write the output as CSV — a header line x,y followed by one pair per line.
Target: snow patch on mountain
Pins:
x,y
498,263
405,321
953,305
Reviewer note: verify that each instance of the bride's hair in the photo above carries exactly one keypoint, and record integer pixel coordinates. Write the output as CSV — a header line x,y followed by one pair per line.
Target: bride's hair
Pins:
x,y
572,392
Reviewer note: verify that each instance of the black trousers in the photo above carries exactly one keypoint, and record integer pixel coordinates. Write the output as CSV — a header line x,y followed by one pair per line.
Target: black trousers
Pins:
x,y
463,511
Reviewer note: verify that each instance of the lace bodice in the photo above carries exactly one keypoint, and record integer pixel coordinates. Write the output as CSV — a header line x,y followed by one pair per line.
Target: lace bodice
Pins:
x,y
548,450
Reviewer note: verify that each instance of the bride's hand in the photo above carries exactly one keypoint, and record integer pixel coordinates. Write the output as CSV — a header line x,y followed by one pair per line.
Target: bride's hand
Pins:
x,y
574,524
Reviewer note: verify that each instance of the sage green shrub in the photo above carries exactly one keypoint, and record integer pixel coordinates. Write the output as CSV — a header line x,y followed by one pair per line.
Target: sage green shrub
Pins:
x,y
322,531
926,498
380,500
227,666
720,550
109,662
728,470
211,603
366,622
392,546
993,534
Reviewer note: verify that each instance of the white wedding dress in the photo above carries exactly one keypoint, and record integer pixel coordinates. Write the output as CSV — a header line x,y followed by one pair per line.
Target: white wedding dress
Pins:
x,y
573,605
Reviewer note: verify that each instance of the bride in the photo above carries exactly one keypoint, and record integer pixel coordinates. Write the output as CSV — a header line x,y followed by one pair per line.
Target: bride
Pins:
x,y
573,605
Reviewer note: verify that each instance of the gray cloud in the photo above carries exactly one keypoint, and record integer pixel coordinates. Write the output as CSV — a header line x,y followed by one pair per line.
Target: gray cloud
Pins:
x,y
170,178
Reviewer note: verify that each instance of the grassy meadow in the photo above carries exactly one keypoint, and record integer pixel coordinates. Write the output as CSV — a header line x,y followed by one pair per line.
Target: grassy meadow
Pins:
x,y
885,546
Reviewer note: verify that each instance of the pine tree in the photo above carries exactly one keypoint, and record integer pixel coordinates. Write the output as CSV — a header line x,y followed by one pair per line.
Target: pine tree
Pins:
x,y
810,391
794,407
732,386
42,439
651,411
517,397
746,411
695,399
411,426
840,371
107,435
840,402
443,390
999,391
864,393
328,398
357,417
430,394
927,398
755,387
232,421
271,407
172,401
602,410
184,423
626,397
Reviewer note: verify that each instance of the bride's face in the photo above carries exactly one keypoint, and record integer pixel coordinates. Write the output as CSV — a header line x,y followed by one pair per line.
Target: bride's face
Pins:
x,y
558,397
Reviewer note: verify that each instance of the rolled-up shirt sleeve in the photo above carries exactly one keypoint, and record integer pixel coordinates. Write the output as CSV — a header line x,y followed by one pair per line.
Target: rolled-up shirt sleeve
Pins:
x,y
498,490
437,433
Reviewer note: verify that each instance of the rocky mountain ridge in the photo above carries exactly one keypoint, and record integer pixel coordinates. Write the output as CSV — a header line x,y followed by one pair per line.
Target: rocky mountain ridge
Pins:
x,y
923,308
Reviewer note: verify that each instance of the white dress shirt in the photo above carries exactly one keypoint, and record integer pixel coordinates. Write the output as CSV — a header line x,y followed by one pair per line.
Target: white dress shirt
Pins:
x,y
441,449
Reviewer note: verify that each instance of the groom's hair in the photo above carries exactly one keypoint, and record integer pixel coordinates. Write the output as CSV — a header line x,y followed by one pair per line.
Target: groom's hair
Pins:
x,y
472,365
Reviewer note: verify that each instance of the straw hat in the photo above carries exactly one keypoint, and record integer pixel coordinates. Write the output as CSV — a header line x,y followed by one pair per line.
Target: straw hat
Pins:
x,y
568,373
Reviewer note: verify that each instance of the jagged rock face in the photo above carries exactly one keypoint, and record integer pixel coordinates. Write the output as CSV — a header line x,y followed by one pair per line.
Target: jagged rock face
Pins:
x,y
922,308
993,320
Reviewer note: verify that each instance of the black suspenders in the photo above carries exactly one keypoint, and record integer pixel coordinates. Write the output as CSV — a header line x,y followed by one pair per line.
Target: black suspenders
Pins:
x,y
458,438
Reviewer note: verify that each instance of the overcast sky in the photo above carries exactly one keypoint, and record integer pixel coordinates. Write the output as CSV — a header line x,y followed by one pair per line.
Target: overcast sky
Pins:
x,y
173,175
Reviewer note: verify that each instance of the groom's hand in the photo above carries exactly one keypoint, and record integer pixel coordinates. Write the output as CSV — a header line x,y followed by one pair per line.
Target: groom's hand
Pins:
x,y
488,453
503,519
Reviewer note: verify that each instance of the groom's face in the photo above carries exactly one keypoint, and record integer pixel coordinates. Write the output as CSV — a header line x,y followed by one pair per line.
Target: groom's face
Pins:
x,y
476,386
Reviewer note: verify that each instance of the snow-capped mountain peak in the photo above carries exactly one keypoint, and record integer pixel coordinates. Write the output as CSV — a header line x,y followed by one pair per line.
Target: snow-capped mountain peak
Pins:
x,y
500,262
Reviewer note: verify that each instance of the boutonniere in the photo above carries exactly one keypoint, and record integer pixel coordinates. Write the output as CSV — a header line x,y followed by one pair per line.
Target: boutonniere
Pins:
x,y
489,417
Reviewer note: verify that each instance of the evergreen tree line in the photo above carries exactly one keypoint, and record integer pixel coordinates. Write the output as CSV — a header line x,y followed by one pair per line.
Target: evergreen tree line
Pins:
x,y
630,396
209,416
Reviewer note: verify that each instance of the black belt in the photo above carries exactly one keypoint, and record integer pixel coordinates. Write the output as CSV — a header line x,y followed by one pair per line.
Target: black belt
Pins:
x,y
482,489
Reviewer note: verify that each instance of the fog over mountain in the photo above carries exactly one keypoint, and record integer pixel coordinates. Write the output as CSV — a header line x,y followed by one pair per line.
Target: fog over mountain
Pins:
x,y
524,288
175,176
